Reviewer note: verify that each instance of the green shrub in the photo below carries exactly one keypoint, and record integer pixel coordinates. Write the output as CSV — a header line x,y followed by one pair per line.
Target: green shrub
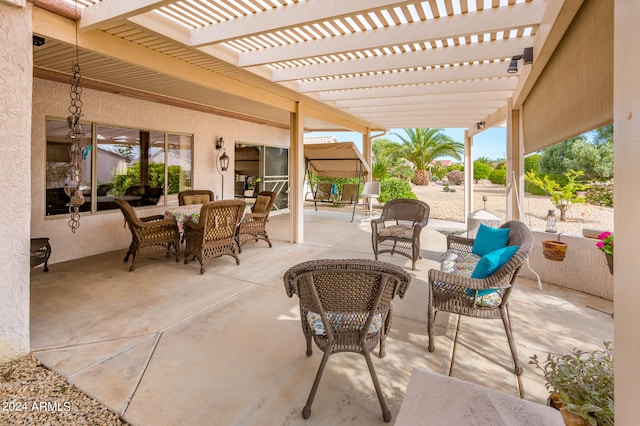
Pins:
x,y
452,167
393,188
456,177
600,194
481,170
532,163
533,189
498,176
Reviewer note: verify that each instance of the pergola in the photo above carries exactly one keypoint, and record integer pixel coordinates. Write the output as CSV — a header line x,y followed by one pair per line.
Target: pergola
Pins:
x,y
364,66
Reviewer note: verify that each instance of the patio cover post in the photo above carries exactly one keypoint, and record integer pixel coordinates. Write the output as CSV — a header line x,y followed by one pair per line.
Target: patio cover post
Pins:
x,y
296,175
515,163
468,175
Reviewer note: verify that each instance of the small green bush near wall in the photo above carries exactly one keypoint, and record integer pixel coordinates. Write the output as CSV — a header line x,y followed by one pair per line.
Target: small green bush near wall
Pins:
x,y
393,188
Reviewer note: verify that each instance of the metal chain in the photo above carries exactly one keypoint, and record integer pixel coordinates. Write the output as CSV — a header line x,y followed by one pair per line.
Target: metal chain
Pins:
x,y
74,176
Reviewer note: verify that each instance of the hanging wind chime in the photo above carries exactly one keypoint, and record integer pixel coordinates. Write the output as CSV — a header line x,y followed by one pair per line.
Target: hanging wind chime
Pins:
x,y
74,174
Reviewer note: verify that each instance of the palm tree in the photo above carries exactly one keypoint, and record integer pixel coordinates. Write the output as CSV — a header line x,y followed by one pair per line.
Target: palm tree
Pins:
x,y
420,147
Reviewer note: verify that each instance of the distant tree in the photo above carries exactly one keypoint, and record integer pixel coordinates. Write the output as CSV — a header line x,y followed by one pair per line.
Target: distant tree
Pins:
x,y
555,159
485,160
420,147
532,163
481,170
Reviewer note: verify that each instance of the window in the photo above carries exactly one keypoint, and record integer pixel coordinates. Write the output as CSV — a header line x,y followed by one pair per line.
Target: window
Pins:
x,y
141,166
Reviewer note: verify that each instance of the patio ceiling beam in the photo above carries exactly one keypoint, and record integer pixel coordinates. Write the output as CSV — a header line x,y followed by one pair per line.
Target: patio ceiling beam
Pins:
x,y
496,119
487,50
104,13
412,105
427,89
292,15
430,109
434,75
456,26
494,96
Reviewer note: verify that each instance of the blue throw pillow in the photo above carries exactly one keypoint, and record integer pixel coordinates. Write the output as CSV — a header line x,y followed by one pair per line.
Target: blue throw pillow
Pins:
x,y
490,263
489,239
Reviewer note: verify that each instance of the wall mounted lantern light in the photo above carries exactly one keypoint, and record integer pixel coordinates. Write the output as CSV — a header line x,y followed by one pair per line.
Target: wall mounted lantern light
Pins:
x,y
527,58
222,160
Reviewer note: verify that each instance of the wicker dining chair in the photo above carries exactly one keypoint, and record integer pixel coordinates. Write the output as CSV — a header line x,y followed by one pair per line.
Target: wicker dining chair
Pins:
x,y
345,306
408,218
215,233
195,196
253,226
151,234
459,294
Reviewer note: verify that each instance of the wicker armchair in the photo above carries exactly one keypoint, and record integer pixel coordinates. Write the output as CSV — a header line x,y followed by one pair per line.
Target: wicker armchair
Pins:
x,y
151,234
253,226
215,233
345,306
195,196
403,236
458,294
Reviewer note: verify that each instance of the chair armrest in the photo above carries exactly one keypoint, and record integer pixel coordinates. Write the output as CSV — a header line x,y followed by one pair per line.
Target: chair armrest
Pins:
x,y
457,242
192,225
152,218
377,223
435,275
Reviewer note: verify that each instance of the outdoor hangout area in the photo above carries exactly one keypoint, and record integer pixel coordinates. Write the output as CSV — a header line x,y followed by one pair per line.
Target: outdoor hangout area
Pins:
x,y
227,347
319,212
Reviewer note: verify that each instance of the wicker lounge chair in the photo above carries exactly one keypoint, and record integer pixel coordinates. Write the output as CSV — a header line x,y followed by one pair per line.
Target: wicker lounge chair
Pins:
x,y
151,234
215,233
254,225
195,196
345,306
459,294
403,236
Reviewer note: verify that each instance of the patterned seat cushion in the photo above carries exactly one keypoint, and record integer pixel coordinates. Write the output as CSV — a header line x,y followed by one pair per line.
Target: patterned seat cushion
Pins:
x,y
463,263
397,231
338,322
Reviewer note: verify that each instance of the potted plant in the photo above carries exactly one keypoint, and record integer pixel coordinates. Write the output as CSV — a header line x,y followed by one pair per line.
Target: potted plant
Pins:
x,y
582,384
554,249
605,244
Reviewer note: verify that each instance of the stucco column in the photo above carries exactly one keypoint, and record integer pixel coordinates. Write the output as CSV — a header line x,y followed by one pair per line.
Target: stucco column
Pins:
x,y
468,175
626,281
16,81
296,175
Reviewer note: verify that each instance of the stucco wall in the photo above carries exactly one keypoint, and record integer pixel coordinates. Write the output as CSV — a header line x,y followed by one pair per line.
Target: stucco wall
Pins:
x,y
103,232
583,269
16,61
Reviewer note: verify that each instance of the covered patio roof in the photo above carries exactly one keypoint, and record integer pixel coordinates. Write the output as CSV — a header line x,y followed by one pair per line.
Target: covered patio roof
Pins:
x,y
356,65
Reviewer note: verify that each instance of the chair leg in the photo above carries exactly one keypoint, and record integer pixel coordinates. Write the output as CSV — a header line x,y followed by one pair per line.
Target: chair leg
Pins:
x,y
133,262
431,319
386,413
455,345
506,321
306,411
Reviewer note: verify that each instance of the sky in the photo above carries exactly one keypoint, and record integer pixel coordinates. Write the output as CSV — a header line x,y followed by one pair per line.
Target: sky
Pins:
x,y
490,143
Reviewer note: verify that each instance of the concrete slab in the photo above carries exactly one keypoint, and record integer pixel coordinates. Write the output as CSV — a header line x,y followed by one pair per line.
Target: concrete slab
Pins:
x,y
231,349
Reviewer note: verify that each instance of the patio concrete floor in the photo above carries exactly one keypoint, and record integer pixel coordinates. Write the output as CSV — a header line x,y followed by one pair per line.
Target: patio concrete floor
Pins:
x,y
165,345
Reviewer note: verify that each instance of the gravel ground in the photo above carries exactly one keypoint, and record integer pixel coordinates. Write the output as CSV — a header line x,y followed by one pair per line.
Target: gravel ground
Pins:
x,y
31,394
450,206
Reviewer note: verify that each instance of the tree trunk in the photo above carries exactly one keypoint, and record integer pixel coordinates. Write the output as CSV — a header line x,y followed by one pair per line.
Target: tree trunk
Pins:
x,y
421,177
563,212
